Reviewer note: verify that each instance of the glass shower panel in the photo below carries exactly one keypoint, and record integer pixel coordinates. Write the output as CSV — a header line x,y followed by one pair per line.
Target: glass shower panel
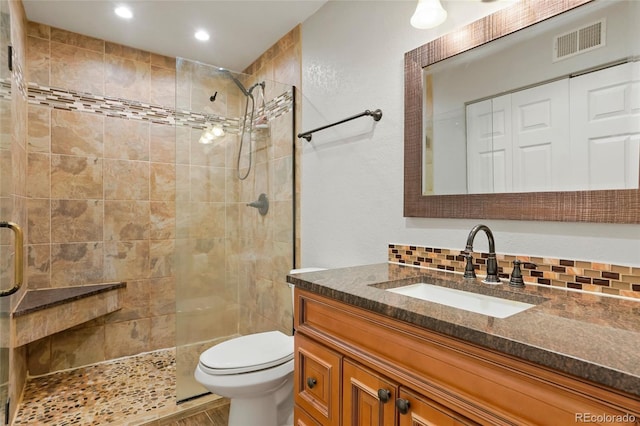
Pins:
x,y
231,261
6,201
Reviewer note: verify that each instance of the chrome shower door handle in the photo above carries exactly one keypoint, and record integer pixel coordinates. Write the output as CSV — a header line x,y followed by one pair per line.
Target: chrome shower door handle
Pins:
x,y
18,263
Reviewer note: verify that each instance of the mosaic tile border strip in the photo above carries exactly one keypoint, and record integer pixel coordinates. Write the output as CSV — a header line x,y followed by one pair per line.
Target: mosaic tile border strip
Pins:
x,y
71,100
593,277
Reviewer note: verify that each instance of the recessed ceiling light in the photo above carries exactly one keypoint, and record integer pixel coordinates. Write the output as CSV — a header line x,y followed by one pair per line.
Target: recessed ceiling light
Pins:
x,y
124,12
201,35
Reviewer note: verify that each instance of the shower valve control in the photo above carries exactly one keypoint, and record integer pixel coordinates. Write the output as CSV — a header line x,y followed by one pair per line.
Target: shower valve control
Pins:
x,y
262,204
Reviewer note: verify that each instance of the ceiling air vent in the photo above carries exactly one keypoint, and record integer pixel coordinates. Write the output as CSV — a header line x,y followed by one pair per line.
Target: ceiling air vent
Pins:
x,y
579,40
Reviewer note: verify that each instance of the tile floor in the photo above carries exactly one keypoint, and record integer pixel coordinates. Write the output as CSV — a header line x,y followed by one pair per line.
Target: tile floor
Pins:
x,y
137,390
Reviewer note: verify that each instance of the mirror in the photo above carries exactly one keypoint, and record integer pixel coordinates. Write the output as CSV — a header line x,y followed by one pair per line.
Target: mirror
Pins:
x,y
504,146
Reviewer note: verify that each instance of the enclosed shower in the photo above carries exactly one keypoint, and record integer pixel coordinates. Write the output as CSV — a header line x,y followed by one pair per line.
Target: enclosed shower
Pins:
x,y
234,148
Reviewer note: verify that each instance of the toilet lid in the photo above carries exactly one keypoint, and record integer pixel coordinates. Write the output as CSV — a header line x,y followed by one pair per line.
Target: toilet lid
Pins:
x,y
252,352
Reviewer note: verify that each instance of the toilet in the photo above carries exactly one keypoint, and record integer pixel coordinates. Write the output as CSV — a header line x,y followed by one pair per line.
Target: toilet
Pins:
x,y
256,373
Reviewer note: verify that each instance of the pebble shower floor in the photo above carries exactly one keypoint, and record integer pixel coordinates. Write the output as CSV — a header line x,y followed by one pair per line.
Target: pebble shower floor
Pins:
x,y
121,392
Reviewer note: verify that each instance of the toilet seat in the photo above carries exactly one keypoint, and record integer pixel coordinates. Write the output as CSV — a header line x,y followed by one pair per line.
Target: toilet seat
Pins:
x,y
248,353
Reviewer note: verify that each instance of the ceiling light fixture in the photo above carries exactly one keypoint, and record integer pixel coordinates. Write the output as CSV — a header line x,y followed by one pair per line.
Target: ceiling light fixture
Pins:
x,y
428,14
124,12
201,35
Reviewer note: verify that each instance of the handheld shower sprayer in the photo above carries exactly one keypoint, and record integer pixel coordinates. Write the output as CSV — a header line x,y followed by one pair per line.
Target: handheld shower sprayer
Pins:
x,y
248,93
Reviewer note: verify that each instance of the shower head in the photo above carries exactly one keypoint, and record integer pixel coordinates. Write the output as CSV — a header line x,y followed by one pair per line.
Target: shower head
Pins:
x,y
237,82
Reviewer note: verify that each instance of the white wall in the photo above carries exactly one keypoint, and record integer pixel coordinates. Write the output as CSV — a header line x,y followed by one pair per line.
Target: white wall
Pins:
x,y
352,175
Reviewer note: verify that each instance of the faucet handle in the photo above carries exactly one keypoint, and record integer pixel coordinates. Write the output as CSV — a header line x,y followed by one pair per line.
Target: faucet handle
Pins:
x,y
516,275
469,271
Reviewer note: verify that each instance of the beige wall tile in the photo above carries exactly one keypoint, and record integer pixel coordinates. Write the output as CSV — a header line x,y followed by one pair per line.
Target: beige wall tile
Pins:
x,y
77,133
162,144
76,220
163,61
211,155
39,356
163,87
163,220
77,40
207,184
183,86
126,139
163,332
35,29
39,129
162,182
39,175
6,125
127,338
197,325
39,221
38,266
207,220
127,52
183,183
126,180
127,79
282,183
38,60
162,296
126,260
183,145
281,136
281,221
76,177
135,301
76,68
76,264
78,346
161,258
126,220
286,66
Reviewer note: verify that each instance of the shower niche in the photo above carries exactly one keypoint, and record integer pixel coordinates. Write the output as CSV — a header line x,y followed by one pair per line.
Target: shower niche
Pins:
x,y
234,142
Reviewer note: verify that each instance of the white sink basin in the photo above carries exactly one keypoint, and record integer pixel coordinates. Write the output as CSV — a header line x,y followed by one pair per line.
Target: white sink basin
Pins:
x,y
473,302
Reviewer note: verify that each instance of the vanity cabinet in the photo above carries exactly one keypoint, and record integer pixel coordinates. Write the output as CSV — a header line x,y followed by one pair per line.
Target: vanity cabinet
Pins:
x,y
317,380
370,399
357,367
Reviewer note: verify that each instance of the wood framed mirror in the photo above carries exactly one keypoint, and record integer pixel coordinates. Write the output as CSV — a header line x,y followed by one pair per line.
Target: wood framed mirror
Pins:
x,y
603,206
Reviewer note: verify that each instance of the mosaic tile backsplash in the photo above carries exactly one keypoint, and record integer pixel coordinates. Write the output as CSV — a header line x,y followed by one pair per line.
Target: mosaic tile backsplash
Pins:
x,y
617,280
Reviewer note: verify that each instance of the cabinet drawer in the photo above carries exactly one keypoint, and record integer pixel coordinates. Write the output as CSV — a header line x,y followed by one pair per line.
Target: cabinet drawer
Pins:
x,y
317,380
421,411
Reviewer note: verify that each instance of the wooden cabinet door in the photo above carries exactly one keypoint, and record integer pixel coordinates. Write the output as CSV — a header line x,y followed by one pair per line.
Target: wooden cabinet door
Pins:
x,y
421,411
367,398
317,380
301,418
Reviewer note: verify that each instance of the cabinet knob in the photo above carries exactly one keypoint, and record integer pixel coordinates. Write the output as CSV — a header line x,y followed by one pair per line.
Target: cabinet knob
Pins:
x,y
402,405
311,382
384,395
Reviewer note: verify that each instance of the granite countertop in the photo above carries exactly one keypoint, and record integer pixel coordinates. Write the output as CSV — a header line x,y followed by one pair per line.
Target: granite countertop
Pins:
x,y
36,300
587,335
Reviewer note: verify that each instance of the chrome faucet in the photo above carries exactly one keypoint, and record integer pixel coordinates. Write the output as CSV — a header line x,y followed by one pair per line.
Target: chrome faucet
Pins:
x,y
492,264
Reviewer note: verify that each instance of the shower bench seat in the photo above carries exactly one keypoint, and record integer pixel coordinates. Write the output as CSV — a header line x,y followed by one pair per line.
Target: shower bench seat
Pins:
x,y
48,311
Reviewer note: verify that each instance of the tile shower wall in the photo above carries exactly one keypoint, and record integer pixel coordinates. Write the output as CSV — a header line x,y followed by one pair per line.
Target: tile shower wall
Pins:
x,y
617,280
101,195
232,261
282,62
272,306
